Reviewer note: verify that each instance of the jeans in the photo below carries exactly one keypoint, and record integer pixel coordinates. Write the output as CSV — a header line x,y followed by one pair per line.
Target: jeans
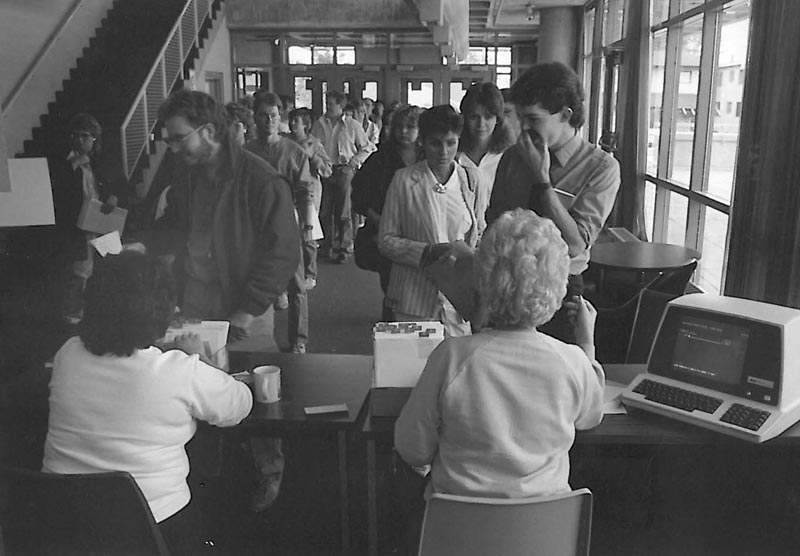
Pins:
x,y
298,308
310,259
335,213
79,273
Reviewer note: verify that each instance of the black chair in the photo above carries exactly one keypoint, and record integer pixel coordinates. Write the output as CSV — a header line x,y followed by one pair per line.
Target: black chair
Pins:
x,y
625,334
93,514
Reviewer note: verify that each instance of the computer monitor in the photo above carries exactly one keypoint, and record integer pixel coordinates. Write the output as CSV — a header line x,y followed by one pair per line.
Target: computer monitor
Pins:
x,y
727,364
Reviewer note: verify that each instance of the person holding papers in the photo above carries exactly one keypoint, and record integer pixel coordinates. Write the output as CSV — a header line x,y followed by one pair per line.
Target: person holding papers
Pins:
x,y
495,413
119,403
76,179
554,171
433,212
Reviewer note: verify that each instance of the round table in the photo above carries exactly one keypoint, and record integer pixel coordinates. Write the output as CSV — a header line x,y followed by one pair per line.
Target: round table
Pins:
x,y
641,257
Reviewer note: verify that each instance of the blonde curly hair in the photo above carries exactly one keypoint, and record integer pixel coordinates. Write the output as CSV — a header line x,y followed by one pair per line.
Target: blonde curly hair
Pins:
x,y
522,267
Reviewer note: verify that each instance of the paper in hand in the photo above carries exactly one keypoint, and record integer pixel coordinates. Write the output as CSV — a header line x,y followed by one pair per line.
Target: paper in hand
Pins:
x,y
108,244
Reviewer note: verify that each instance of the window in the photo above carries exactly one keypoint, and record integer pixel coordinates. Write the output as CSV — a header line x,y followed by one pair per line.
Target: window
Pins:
x,y
370,90
693,126
302,92
503,79
321,55
457,92
476,56
419,93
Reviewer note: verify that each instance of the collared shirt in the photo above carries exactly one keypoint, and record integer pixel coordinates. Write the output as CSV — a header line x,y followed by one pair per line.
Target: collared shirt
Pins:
x,y
577,167
83,162
487,166
291,161
344,140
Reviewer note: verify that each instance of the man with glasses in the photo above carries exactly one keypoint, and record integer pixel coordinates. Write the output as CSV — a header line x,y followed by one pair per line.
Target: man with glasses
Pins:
x,y
232,223
555,172
77,179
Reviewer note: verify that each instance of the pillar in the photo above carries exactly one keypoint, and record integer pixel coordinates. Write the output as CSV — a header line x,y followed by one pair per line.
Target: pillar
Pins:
x,y
558,35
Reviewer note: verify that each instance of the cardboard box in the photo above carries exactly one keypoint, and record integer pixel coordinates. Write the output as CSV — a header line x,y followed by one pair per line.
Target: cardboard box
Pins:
x,y
213,333
401,350
92,219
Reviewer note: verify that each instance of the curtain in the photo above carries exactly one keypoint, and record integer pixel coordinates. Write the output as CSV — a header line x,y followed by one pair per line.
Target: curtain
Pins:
x,y
764,250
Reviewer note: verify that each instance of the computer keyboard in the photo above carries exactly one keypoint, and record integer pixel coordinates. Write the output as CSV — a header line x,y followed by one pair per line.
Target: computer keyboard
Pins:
x,y
747,417
679,398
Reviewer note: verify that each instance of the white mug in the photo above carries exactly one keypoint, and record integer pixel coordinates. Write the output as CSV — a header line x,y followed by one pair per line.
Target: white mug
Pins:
x,y
267,383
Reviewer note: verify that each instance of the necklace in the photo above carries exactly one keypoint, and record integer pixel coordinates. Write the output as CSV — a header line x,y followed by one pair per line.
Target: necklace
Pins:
x,y
440,187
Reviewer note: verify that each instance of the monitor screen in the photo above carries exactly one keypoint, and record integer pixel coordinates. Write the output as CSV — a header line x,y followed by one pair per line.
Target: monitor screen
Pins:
x,y
728,353
710,349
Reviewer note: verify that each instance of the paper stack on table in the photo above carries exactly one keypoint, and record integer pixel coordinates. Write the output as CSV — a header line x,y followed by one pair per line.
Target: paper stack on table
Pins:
x,y
213,333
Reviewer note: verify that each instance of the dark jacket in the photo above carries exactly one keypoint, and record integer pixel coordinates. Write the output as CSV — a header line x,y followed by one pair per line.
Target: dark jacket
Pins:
x,y
67,185
372,181
256,242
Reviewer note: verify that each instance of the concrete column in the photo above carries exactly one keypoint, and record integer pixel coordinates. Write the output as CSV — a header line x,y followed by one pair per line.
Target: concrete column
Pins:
x,y
558,35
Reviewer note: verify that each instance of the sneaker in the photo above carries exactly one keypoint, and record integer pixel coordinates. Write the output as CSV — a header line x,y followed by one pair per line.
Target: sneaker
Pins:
x,y
265,493
282,303
299,348
311,283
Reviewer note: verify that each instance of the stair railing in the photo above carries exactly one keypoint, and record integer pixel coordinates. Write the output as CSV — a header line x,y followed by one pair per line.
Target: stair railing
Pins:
x,y
141,119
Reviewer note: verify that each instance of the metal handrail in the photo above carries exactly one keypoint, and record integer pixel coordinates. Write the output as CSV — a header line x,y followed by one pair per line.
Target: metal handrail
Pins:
x,y
143,114
30,71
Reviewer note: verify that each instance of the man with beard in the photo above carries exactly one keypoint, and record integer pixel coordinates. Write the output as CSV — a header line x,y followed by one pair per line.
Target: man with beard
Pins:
x,y
231,214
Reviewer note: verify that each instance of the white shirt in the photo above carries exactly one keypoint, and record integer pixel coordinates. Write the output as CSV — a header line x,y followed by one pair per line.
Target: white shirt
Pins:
x,y
495,413
135,414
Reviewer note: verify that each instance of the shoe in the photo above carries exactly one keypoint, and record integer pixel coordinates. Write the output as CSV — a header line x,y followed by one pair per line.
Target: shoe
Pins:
x,y
265,493
311,283
342,258
299,348
282,303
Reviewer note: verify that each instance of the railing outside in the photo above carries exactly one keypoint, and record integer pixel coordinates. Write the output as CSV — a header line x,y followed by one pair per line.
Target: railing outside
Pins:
x,y
141,119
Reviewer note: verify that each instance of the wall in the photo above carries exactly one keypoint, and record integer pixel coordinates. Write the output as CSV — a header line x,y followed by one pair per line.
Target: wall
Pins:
x,y
216,58
25,28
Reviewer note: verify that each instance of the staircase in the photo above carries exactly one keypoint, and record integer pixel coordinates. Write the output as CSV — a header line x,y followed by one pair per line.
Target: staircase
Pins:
x,y
108,77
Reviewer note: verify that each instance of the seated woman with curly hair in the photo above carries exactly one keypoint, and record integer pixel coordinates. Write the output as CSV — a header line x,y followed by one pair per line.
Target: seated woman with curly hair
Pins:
x,y
118,403
495,413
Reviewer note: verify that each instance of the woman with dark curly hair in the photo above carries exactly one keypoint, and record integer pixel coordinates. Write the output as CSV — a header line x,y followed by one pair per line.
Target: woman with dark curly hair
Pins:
x,y
119,403
485,137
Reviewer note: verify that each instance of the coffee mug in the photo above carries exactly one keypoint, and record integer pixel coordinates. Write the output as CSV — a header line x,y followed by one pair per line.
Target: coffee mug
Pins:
x,y
267,384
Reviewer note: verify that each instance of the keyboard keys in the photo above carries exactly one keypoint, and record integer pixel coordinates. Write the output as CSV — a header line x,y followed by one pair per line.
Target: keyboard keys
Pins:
x,y
745,417
679,398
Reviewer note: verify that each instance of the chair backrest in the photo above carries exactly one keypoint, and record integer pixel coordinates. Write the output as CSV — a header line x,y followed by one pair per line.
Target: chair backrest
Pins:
x,y
558,525
674,281
91,514
612,331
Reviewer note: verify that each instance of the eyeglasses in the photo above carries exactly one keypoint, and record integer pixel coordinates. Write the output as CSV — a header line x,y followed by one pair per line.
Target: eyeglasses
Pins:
x,y
181,139
83,136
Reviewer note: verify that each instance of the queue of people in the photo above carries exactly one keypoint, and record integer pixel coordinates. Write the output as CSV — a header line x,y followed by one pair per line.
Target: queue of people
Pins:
x,y
251,185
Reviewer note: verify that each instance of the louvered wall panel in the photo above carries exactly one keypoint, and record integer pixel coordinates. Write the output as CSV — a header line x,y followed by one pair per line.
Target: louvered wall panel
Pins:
x,y
188,29
173,60
202,10
155,94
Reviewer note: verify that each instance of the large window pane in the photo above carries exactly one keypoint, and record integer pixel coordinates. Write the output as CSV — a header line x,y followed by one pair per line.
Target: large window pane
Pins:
x,y
504,56
323,55
676,227
731,61
588,32
503,78
476,56
657,64
613,21
302,93
709,272
370,90
346,55
300,55
421,96
686,5
457,92
649,208
659,11
686,101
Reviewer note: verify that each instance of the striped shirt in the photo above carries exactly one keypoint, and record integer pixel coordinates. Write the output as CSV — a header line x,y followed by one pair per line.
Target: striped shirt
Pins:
x,y
413,218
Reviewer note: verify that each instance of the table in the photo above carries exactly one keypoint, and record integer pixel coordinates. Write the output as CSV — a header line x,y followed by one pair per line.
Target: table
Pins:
x,y
638,428
312,380
640,256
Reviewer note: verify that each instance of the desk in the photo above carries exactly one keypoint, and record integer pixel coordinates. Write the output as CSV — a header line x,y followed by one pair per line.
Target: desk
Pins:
x,y
638,428
640,256
312,380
